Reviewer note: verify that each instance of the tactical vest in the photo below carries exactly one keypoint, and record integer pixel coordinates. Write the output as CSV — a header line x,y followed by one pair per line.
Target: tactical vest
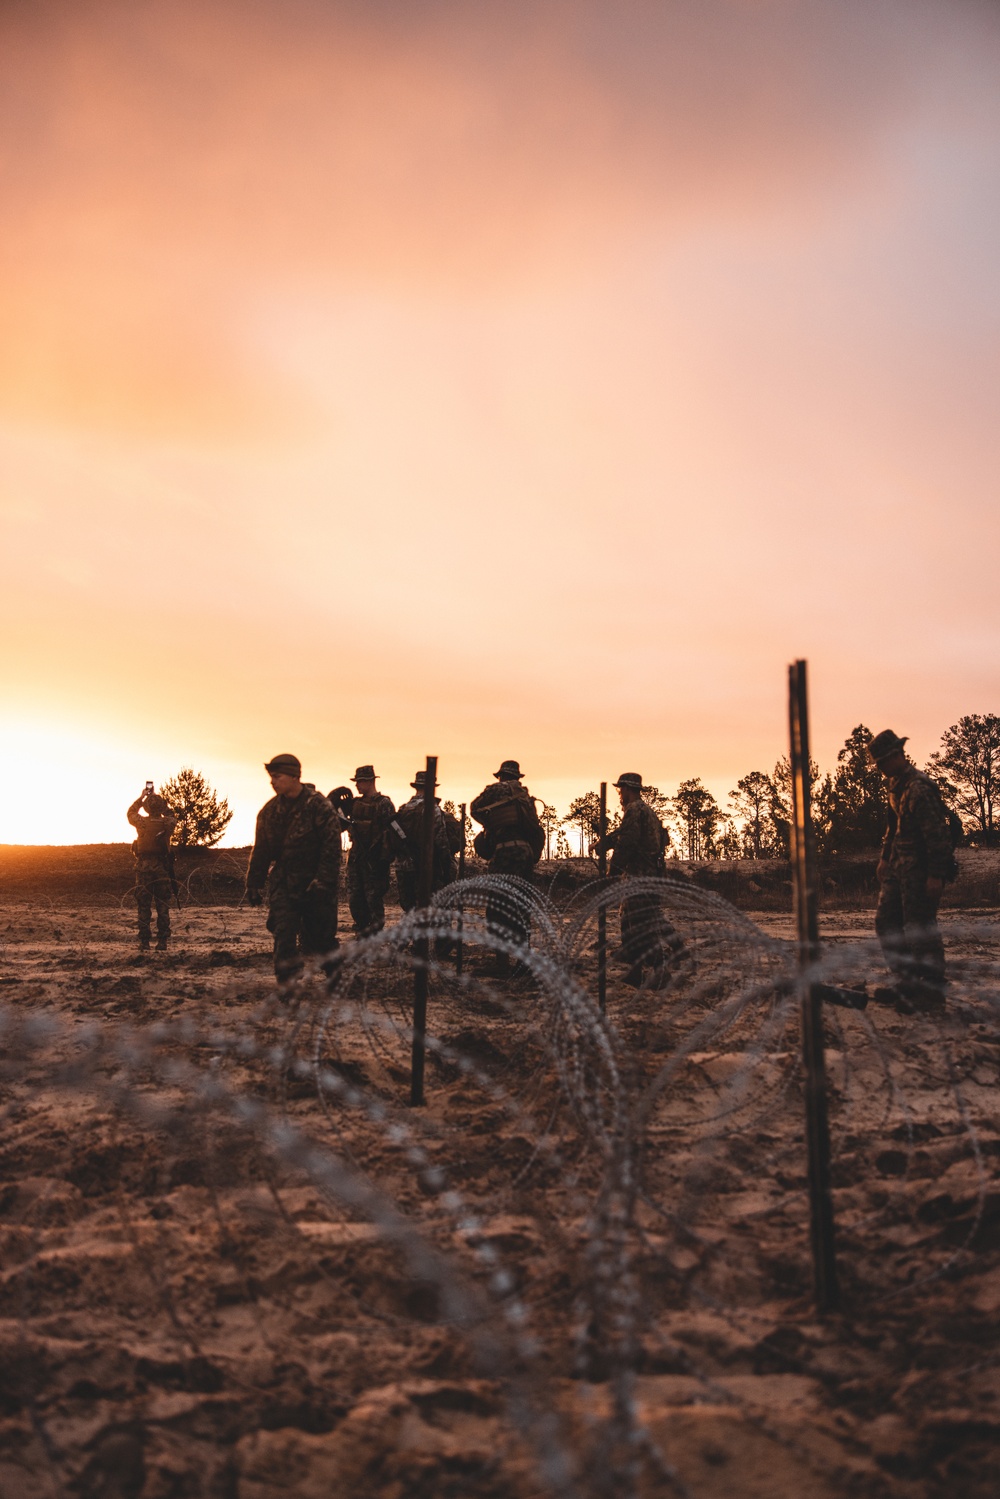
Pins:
x,y
362,819
505,819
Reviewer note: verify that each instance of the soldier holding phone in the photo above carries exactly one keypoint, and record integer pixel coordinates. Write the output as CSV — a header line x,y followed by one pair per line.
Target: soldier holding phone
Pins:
x,y
154,824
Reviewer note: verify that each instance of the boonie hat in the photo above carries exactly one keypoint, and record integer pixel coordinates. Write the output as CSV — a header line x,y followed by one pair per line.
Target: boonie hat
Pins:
x,y
508,768
365,773
885,744
284,765
420,780
631,779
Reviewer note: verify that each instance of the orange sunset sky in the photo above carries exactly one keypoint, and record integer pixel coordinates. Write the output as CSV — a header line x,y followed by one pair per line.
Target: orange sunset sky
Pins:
x,y
489,379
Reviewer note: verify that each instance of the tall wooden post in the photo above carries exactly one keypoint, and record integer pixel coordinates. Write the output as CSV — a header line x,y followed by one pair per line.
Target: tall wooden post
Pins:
x,y
821,1223
461,875
602,910
421,948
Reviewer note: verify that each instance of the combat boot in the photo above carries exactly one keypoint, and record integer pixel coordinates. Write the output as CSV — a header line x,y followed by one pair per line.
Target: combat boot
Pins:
x,y
144,942
161,943
924,998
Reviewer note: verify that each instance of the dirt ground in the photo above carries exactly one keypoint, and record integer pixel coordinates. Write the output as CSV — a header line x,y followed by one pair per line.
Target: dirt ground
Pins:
x,y
236,1263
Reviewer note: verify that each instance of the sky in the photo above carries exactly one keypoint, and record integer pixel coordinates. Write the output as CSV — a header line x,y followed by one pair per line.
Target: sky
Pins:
x,y
525,379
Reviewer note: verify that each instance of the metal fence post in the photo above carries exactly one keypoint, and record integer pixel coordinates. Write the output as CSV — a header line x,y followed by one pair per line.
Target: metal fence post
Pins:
x,y
602,910
821,1223
421,947
461,875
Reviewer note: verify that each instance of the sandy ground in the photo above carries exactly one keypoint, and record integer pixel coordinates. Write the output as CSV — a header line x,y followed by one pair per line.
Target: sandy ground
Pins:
x,y
236,1263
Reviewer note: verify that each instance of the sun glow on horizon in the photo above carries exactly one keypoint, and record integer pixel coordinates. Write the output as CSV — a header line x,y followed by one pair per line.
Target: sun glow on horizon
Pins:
x,y
70,782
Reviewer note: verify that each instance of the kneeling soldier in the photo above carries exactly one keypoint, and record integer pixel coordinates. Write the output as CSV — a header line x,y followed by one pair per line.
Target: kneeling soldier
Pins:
x,y
296,852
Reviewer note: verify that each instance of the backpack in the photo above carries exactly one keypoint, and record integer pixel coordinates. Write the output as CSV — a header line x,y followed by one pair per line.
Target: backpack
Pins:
x,y
515,816
406,832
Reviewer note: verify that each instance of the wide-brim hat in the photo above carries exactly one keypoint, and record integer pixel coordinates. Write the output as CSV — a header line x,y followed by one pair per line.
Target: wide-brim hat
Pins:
x,y
630,778
885,744
420,780
284,765
508,768
364,773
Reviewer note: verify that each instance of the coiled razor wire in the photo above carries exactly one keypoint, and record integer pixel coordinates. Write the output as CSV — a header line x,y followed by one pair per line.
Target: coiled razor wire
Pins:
x,y
632,1136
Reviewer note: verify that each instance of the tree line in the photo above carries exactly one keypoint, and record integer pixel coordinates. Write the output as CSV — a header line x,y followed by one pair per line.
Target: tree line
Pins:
x,y
849,803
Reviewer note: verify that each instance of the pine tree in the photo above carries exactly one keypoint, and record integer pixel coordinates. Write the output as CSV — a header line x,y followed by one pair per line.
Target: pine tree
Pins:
x,y
699,814
585,815
967,768
753,798
202,817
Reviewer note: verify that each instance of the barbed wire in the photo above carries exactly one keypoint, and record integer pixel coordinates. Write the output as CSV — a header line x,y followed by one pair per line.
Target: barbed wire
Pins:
x,y
629,1155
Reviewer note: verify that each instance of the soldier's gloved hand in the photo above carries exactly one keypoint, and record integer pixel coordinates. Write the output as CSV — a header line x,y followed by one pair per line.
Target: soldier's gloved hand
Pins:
x,y
253,896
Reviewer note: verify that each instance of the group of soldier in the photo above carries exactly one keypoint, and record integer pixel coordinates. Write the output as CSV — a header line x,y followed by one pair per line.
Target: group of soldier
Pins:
x,y
297,853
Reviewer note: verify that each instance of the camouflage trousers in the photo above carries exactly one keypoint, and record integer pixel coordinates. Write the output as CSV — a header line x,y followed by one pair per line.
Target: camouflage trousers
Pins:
x,y
505,915
366,888
648,939
906,924
302,925
152,885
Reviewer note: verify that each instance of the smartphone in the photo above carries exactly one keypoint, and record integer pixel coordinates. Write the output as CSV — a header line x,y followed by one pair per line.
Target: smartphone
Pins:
x,y
149,787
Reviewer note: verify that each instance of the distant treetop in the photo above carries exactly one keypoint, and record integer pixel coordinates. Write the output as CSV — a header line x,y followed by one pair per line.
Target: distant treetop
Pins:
x,y
202,817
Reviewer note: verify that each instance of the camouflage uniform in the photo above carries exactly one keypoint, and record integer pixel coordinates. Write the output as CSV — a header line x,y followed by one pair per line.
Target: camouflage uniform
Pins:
x,y
917,846
154,880
637,845
296,846
448,836
503,809
369,861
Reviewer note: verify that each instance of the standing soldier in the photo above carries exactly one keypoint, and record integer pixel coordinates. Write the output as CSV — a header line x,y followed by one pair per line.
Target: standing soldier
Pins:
x,y
408,834
916,862
512,839
154,823
370,814
638,845
296,851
